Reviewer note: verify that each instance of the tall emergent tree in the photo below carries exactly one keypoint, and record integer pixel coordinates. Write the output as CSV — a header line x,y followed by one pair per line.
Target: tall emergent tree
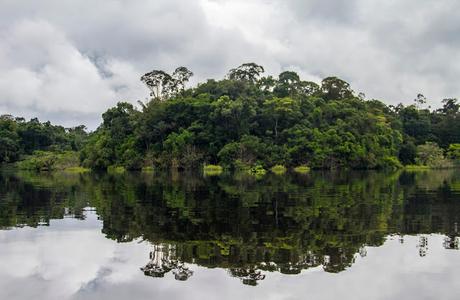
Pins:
x,y
248,71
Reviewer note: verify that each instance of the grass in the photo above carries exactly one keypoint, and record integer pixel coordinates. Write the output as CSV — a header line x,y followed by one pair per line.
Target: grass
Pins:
x,y
258,171
212,170
77,170
279,169
147,169
417,167
302,169
116,170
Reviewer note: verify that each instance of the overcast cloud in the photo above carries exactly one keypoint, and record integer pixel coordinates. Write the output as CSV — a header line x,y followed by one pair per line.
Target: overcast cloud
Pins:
x,y
68,61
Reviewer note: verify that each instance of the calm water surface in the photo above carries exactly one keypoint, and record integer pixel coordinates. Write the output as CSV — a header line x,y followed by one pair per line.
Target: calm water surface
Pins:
x,y
365,235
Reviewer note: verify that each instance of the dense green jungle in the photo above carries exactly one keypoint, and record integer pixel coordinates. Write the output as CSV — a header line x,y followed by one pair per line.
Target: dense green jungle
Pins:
x,y
243,122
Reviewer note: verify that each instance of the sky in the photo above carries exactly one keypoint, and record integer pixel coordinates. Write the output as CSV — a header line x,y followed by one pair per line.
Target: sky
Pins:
x,y
72,259
69,61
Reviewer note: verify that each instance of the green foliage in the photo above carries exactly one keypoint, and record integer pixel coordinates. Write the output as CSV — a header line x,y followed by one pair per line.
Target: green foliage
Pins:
x,y
278,169
49,161
416,168
247,120
116,169
391,162
212,170
148,169
257,170
302,169
77,170
19,138
454,151
431,155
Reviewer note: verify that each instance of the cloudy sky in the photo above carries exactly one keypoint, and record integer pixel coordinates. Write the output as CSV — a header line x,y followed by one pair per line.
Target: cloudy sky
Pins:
x,y
72,259
68,61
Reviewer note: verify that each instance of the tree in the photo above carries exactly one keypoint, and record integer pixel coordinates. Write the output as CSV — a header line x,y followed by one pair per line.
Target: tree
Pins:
x,y
159,82
334,88
420,101
9,139
287,85
408,152
118,120
308,88
247,72
266,84
181,75
429,154
288,78
281,108
454,151
450,106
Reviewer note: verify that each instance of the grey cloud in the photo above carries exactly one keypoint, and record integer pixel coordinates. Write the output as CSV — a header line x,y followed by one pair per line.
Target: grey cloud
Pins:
x,y
389,50
337,12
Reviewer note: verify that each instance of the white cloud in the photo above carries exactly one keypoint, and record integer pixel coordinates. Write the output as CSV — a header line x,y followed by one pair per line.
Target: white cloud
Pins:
x,y
69,61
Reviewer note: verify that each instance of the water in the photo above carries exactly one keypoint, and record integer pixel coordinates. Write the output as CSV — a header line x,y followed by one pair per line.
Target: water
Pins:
x,y
355,235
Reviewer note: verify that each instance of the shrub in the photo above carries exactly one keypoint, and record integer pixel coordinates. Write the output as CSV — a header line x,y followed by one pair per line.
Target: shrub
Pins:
x,y
278,169
147,169
212,170
391,162
429,154
257,170
48,161
302,169
454,151
116,169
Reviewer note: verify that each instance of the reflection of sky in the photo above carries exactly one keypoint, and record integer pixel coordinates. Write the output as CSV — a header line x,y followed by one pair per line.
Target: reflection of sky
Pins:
x,y
71,259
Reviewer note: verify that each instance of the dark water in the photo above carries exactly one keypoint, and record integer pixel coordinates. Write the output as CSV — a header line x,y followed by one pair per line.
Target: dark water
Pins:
x,y
349,235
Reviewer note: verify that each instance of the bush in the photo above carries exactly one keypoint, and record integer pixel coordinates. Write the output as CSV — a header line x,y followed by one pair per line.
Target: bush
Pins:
x,y
454,151
49,161
302,169
148,169
429,154
116,169
257,170
212,170
278,169
391,162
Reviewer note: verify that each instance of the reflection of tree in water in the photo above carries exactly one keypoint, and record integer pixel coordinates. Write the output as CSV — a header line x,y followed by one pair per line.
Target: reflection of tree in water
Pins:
x,y
248,276
246,226
452,240
422,245
163,260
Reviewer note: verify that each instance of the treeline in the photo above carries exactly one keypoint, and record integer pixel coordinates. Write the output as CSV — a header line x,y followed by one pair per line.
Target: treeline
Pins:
x,y
20,138
247,120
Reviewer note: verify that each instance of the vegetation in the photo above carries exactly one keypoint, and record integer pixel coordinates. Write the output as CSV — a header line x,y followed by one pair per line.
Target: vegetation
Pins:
x,y
250,122
454,151
254,123
49,161
279,169
276,224
431,156
42,145
212,170
302,169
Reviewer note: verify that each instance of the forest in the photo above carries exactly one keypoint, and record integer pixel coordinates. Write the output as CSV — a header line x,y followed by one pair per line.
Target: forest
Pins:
x,y
245,121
